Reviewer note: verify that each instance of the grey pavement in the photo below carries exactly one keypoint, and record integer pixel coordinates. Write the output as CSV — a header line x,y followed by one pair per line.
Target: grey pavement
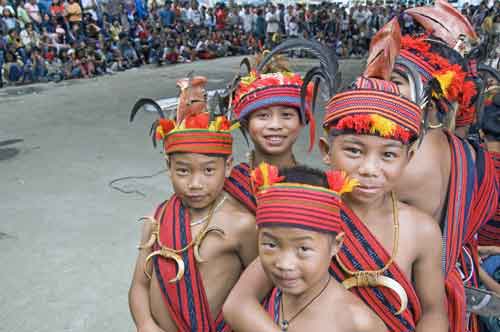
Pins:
x,y
68,240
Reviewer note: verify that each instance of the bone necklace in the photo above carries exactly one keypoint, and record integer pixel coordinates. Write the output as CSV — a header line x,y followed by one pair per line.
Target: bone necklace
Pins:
x,y
175,254
375,278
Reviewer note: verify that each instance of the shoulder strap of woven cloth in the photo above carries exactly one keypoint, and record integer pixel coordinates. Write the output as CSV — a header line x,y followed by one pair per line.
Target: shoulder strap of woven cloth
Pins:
x,y
489,234
185,299
486,202
461,192
238,185
272,304
457,226
362,251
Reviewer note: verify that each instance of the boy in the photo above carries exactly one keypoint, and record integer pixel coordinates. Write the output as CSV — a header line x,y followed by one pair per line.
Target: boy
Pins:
x,y
452,179
194,248
371,132
269,109
295,251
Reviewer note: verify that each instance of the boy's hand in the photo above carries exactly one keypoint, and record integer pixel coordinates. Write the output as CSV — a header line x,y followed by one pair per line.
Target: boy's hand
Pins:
x,y
150,326
485,251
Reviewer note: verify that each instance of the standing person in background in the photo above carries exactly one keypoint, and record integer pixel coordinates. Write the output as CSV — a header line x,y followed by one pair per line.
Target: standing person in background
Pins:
x,y
167,15
73,12
260,29
247,19
220,16
272,21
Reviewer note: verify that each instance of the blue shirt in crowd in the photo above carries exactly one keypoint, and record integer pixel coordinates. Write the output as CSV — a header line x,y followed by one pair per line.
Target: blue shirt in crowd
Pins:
x,y
167,17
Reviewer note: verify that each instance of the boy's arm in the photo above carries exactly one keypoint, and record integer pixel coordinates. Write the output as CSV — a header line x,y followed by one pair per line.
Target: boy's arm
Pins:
x,y
428,277
488,281
138,295
247,239
242,309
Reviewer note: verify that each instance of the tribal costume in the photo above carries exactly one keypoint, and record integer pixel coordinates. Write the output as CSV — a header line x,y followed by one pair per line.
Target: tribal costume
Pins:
x,y
260,90
374,106
489,234
175,253
450,28
472,193
306,207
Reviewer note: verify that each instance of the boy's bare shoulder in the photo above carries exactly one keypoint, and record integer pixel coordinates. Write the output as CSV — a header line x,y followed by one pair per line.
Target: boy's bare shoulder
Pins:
x,y
422,224
241,218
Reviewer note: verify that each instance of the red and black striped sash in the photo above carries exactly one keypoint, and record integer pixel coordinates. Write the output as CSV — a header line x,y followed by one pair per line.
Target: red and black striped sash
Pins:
x,y
454,227
238,185
272,304
362,251
472,200
489,234
186,299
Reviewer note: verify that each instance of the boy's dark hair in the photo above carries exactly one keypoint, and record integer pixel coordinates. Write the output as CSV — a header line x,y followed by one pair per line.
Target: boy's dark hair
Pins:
x,y
305,175
215,155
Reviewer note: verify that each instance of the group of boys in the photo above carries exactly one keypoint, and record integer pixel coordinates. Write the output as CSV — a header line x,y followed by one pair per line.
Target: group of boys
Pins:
x,y
273,245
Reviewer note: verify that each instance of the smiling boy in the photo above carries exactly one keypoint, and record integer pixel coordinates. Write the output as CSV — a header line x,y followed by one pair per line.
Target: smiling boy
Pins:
x,y
295,251
197,243
268,108
391,256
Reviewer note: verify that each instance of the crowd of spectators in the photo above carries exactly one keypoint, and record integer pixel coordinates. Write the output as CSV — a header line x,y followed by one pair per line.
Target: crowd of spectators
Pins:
x,y
66,39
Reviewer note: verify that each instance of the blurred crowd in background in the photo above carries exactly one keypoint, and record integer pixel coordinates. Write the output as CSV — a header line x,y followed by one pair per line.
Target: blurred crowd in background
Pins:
x,y
57,40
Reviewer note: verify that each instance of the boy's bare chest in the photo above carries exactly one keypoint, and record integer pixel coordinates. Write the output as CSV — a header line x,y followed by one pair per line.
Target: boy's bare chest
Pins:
x,y
398,242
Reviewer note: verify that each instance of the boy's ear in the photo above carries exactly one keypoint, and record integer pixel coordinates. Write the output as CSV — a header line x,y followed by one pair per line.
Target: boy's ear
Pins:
x,y
229,165
324,148
167,161
337,243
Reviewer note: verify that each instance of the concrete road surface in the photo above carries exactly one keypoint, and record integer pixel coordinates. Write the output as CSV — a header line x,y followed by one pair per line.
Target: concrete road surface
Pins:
x,y
68,240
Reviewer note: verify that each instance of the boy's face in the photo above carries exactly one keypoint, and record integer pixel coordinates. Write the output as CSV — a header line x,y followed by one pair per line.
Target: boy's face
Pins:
x,y
275,129
402,83
196,178
376,162
296,260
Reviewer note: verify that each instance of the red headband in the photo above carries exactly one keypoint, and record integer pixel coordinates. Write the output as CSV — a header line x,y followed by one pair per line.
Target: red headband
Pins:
x,y
299,205
196,134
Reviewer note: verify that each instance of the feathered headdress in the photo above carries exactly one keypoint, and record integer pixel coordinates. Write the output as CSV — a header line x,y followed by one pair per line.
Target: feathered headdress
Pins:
x,y
260,89
195,129
297,204
445,22
374,105
445,70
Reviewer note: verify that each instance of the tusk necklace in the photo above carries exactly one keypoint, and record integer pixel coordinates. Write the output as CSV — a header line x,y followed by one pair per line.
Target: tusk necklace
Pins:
x,y
375,278
175,254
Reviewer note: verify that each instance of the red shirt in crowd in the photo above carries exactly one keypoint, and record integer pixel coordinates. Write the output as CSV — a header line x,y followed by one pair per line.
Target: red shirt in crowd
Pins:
x,y
220,19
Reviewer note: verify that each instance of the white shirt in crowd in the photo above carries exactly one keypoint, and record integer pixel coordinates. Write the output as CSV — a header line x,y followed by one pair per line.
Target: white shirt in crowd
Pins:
x,y
33,12
272,22
287,19
194,16
248,21
293,28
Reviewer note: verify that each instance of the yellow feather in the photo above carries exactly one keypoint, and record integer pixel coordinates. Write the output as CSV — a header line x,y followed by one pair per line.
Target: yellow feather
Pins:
x,y
445,81
381,125
160,132
264,168
349,184
235,126
247,80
